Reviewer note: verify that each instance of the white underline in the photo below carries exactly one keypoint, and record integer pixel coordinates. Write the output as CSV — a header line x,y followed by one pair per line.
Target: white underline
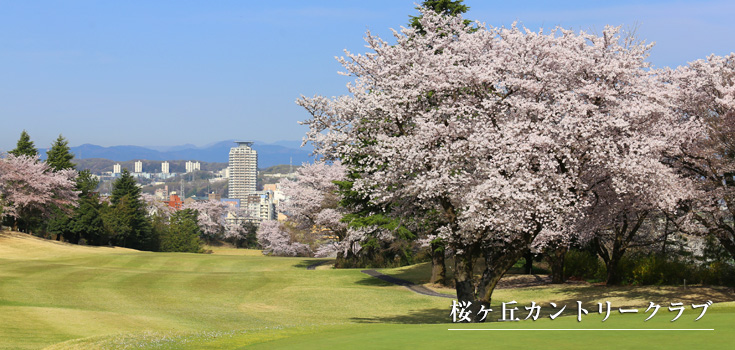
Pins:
x,y
581,329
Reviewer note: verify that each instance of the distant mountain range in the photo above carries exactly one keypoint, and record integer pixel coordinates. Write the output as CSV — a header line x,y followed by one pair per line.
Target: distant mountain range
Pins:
x,y
269,154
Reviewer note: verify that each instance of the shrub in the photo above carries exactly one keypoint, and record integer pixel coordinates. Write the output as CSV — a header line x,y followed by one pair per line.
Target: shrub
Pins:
x,y
657,270
717,273
583,265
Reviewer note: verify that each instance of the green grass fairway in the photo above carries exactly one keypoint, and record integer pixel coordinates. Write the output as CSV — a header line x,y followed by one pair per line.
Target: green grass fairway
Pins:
x,y
62,296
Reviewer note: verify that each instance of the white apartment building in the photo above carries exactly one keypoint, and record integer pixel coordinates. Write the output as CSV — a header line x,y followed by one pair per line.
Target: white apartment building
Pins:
x,y
116,169
259,206
191,166
138,167
243,170
164,168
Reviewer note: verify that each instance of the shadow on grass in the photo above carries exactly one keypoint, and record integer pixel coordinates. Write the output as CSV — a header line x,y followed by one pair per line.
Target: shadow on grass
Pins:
x,y
640,296
421,272
312,263
373,282
417,274
426,316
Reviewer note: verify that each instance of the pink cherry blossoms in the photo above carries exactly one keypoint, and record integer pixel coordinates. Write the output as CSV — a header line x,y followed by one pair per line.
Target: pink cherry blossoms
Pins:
x,y
504,131
29,187
311,206
706,91
218,220
275,240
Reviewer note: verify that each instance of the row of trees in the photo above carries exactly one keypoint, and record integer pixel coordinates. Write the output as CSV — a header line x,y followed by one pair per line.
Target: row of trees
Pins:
x,y
491,141
50,197
32,191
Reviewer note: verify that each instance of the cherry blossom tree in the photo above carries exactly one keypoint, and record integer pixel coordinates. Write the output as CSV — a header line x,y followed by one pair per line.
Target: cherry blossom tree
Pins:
x,y
617,218
498,129
154,206
28,188
217,220
275,240
706,90
211,217
312,204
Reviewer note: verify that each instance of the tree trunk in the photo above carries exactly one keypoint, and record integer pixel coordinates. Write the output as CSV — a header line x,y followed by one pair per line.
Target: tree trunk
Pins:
x,y
528,266
498,260
556,261
613,271
623,235
463,277
438,267
463,280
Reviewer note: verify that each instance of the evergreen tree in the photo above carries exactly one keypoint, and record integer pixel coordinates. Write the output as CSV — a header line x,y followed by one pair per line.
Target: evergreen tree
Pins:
x,y
127,221
59,156
442,7
83,221
125,185
58,223
183,233
86,183
250,240
87,222
25,146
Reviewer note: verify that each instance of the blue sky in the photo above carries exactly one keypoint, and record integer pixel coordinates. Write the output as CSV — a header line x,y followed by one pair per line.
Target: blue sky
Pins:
x,y
176,72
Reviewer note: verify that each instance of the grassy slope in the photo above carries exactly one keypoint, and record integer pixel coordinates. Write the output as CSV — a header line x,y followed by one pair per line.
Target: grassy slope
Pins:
x,y
85,297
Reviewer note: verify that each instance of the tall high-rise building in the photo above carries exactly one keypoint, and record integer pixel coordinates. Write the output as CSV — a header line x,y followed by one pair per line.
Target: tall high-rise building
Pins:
x,y
243,170
164,167
138,167
116,168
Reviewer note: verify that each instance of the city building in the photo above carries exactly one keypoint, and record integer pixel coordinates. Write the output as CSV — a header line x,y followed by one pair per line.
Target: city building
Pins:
x,y
116,169
224,173
192,166
138,167
243,170
164,168
161,194
174,201
278,195
259,206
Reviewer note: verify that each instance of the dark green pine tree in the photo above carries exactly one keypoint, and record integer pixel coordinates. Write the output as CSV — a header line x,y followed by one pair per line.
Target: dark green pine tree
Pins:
x,y
125,185
442,7
183,233
25,146
127,219
59,156
87,219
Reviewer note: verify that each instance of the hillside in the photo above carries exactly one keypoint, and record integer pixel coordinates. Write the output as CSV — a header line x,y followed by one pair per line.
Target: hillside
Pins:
x,y
21,246
99,165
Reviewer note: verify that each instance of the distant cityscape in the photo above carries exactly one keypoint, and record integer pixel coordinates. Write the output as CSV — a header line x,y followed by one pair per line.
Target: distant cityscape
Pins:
x,y
239,178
